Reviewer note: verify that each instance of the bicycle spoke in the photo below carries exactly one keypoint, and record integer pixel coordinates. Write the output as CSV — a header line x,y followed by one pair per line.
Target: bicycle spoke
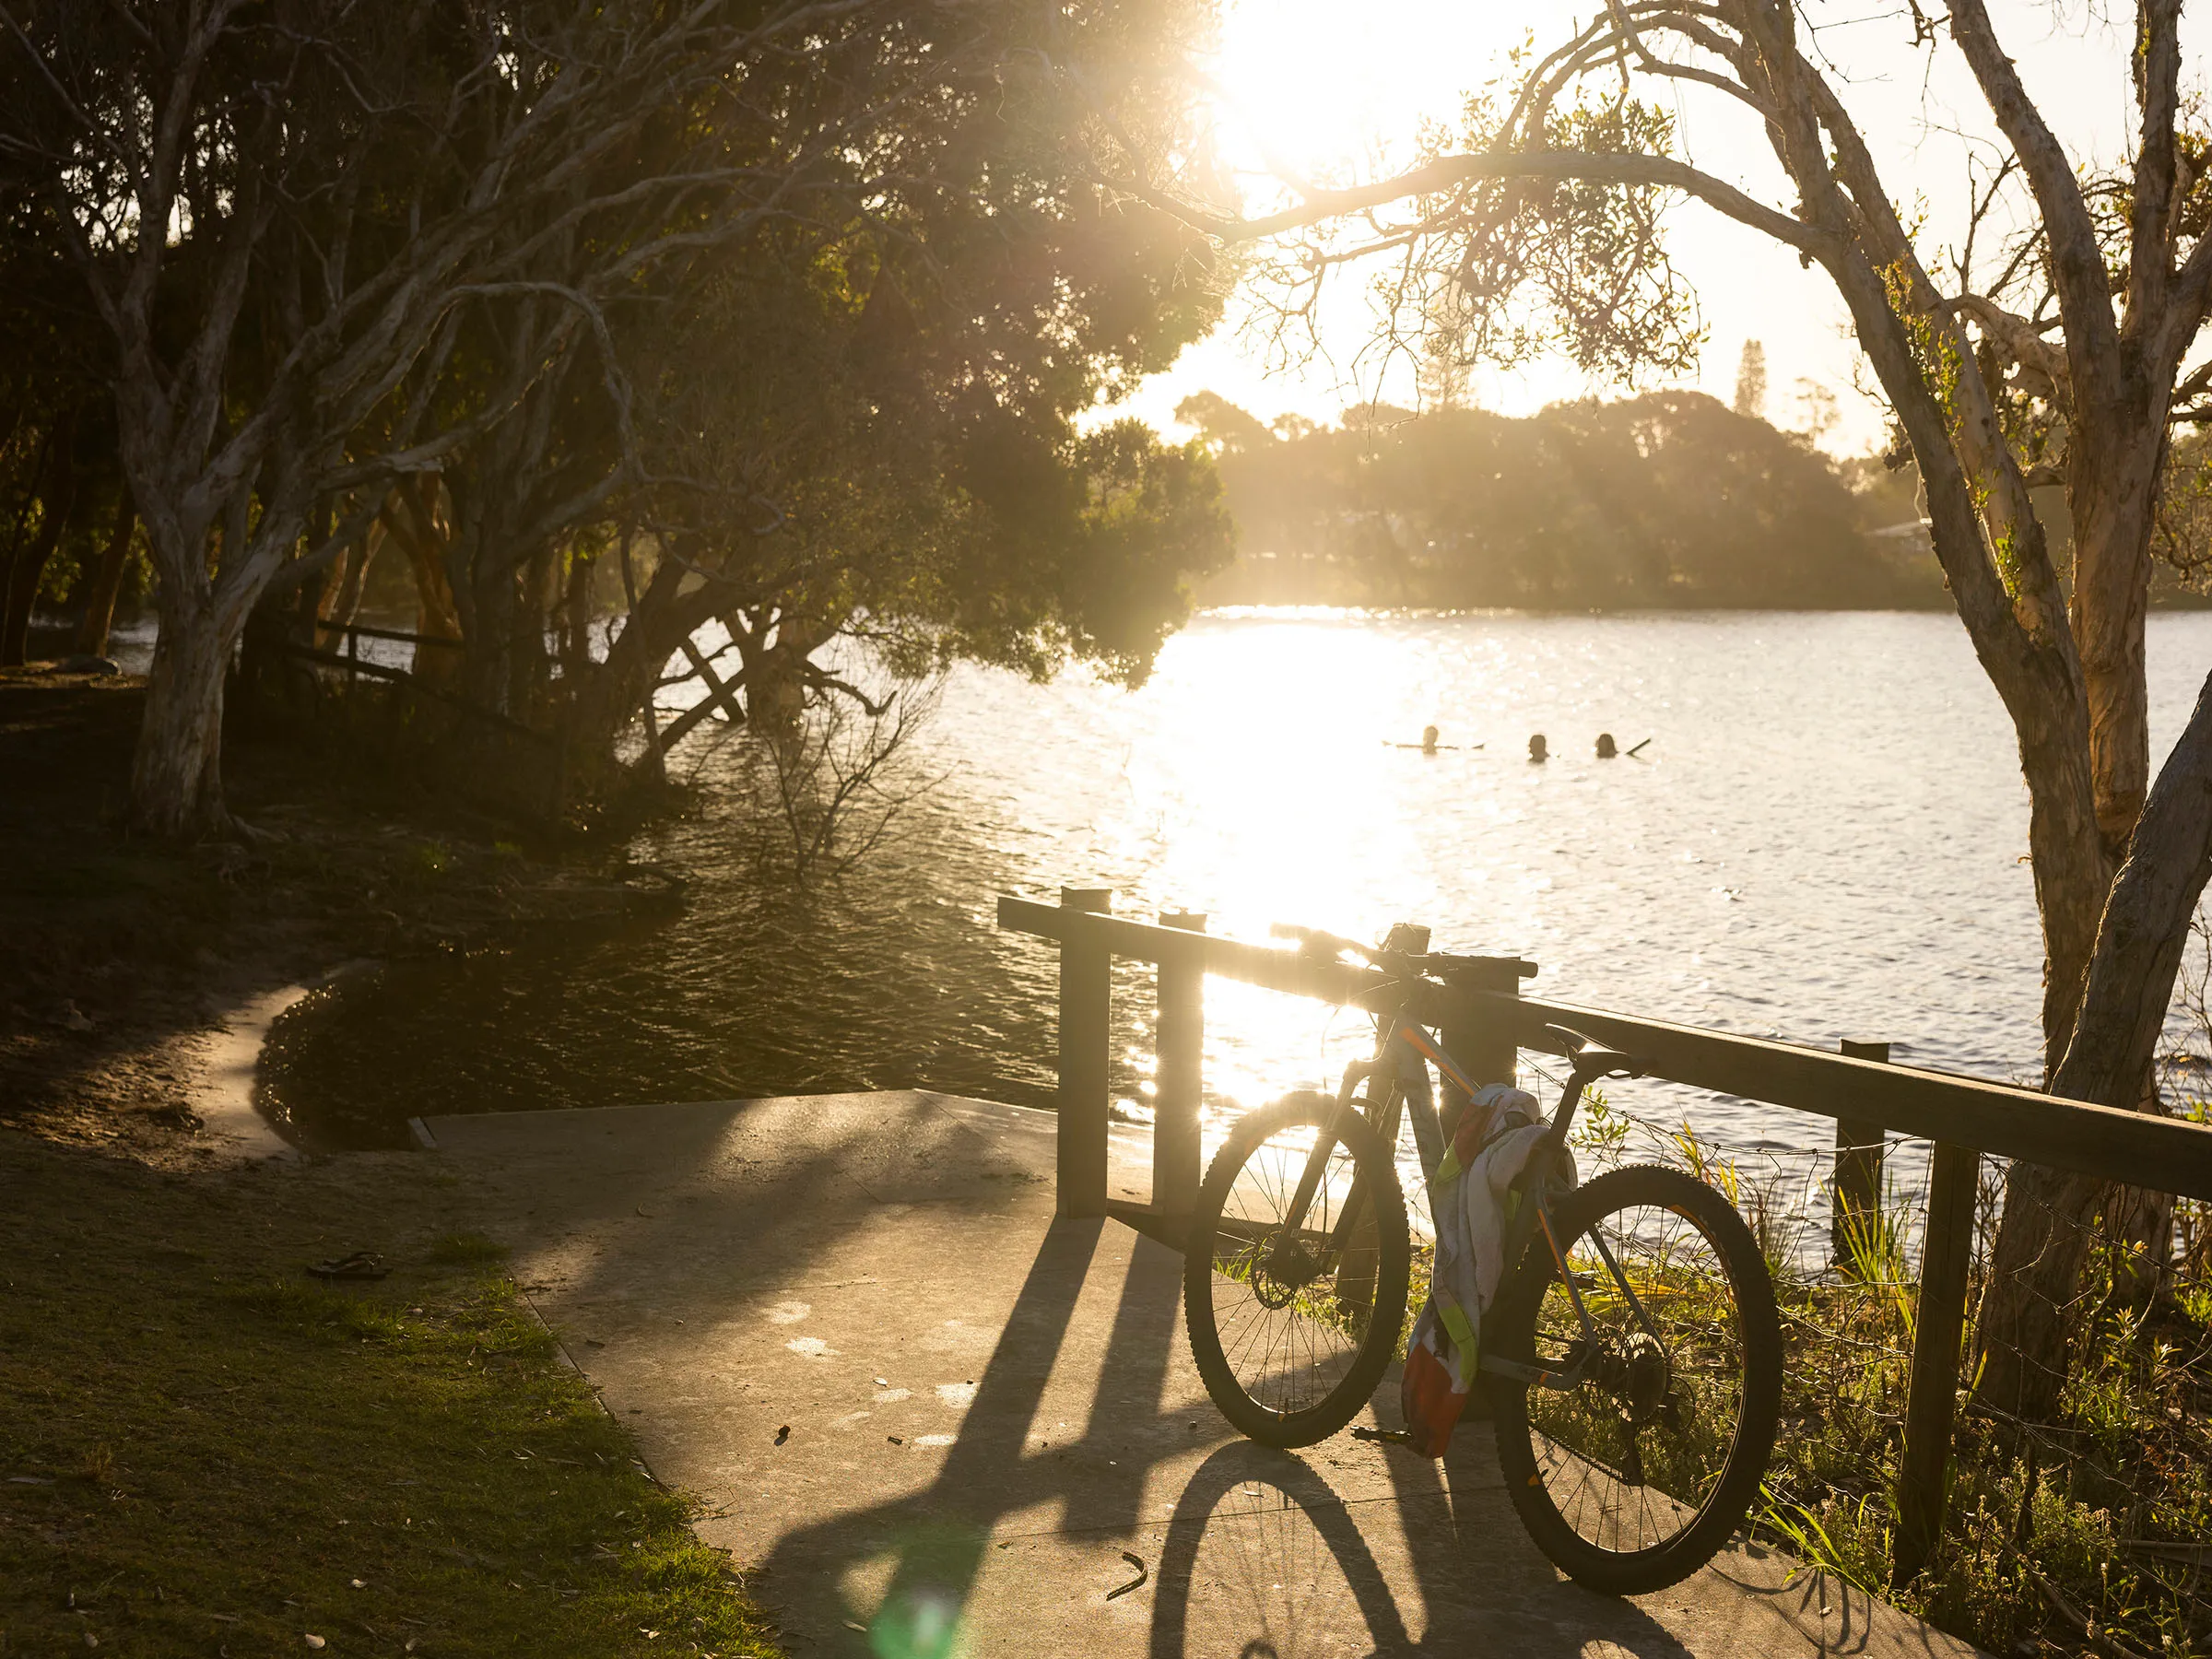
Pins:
x,y
1287,1335
1631,1454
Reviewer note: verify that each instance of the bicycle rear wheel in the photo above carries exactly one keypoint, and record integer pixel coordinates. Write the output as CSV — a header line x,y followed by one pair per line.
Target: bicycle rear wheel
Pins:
x,y
1633,1479
1294,1318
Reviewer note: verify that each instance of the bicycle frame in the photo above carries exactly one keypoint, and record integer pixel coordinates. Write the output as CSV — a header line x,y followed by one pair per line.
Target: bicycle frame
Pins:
x,y
1404,1052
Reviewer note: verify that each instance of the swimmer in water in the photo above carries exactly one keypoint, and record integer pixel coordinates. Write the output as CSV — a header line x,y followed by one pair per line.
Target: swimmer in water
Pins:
x,y
1605,751
1429,745
1537,751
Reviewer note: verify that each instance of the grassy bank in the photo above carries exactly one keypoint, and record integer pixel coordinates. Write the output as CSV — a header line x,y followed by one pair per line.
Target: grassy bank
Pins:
x,y
202,1451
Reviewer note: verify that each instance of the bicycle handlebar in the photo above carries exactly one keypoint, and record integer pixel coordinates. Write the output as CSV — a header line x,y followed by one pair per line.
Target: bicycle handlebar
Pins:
x,y
1588,1057
1314,938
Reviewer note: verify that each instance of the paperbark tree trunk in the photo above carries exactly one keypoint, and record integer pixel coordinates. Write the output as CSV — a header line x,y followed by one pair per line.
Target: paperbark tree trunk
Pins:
x,y
176,775
413,517
2111,489
2050,1214
93,627
342,600
2029,1312
57,505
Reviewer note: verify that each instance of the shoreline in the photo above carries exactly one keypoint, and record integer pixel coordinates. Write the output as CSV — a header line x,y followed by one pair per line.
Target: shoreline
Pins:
x,y
132,971
205,1448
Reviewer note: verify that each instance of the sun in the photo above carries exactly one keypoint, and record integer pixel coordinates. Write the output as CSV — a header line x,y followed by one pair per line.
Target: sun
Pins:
x,y
1330,91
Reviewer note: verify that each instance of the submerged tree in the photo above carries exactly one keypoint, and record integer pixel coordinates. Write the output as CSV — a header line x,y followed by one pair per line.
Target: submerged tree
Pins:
x,y
2058,358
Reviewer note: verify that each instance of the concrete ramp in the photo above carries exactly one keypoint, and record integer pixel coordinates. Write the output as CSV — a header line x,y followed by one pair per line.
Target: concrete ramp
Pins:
x,y
931,1421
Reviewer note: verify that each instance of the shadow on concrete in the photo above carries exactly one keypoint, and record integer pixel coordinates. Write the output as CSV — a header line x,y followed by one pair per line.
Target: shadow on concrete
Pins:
x,y
1261,1556
789,1299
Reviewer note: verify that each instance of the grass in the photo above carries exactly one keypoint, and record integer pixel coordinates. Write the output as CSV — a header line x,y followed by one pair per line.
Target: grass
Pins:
x,y
204,1452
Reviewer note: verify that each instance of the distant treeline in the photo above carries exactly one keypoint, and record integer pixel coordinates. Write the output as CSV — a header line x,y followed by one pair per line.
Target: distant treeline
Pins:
x,y
1670,498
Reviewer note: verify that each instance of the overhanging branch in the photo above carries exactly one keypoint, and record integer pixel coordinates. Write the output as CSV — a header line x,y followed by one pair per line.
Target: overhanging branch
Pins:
x,y
1452,172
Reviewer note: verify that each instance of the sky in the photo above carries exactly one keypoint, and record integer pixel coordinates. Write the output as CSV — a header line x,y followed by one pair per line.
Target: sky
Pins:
x,y
1339,91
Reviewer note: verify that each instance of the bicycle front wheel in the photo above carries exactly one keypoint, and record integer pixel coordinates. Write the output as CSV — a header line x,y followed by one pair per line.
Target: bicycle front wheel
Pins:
x,y
1295,1271
1632,1479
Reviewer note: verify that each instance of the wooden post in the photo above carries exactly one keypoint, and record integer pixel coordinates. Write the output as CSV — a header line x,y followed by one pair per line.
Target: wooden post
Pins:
x,y
1085,985
1181,1043
1858,1183
1938,1327
1487,1049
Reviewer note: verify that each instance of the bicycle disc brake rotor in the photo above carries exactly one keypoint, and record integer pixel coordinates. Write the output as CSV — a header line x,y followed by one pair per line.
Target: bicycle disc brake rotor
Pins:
x,y
1632,1367
1280,1270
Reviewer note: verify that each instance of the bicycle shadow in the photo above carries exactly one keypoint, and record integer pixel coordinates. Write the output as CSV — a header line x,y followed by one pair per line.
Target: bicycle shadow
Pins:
x,y
1265,1557
1257,1555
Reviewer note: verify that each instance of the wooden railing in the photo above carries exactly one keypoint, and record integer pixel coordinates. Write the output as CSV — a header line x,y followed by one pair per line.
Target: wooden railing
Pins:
x,y
1485,1021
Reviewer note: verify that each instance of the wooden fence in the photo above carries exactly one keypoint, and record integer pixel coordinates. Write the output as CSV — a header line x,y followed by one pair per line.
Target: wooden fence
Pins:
x,y
1485,1021
539,757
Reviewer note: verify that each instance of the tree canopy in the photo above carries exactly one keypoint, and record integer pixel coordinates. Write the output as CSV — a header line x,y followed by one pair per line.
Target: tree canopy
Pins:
x,y
1666,500
792,308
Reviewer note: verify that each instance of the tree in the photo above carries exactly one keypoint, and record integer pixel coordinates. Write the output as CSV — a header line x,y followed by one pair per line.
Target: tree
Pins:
x,y
854,415
2058,358
1668,498
1751,382
331,189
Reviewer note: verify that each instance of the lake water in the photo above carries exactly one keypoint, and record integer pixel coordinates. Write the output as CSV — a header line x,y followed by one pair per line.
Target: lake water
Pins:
x,y
1823,838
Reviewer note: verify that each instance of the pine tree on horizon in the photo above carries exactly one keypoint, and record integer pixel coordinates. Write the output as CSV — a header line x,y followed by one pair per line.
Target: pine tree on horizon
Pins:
x,y
1751,382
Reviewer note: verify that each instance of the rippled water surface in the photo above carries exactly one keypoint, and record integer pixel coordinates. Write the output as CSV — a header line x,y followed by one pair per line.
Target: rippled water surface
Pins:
x,y
1824,839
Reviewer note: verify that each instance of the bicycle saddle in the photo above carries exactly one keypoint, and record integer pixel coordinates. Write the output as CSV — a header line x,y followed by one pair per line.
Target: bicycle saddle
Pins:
x,y
1592,1058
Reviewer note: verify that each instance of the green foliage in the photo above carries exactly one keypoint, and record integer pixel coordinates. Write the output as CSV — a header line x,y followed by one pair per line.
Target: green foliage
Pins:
x,y
872,420
1600,1133
2084,1534
1516,269
1669,499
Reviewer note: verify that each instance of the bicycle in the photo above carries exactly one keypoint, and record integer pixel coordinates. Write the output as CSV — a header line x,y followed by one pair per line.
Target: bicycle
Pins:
x,y
1631,1357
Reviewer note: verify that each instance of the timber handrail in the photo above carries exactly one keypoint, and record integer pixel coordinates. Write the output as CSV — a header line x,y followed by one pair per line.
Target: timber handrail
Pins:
x,y
2166,1153
413,683
1485,1021
362,631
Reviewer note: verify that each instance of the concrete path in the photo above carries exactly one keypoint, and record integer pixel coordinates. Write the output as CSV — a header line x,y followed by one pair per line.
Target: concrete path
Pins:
x,y
989,1411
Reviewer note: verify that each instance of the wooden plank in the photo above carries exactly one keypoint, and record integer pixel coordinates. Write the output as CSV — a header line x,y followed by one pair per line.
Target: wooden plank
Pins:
x,y
1857,1188
1150,1220
2164,1154
2102,1141
1285,971
402,678
1486,1048
1938,1329
1085,988
353,631
1179,1087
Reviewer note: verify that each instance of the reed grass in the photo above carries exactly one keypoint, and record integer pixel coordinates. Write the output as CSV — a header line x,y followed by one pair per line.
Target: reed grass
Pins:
x,y
2088,1535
